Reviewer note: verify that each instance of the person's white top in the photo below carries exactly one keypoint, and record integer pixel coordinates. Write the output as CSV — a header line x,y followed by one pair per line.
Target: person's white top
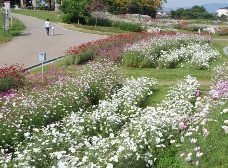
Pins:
x,y
47,24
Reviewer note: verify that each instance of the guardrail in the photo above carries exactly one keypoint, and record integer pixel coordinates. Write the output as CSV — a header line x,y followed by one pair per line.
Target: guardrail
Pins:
x,y
45,62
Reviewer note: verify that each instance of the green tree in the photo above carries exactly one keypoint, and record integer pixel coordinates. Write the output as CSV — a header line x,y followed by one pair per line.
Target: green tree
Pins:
x,y
147,7
196,12
75,9
123,5
150,7
96,6
178,14
223,17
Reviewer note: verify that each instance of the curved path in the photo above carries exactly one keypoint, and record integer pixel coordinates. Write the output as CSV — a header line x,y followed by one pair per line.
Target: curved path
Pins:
x,y
25,48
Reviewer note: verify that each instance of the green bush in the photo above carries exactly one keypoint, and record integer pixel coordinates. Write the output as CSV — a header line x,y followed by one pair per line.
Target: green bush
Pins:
x,y
70,18
132,27
193,28
99,21
85,56
6,83
136,59
12,77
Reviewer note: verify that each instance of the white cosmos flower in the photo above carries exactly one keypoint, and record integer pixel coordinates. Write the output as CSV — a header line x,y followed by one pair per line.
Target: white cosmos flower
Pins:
x,y
225,129
26,134
193,140
198,154
172,141
109,165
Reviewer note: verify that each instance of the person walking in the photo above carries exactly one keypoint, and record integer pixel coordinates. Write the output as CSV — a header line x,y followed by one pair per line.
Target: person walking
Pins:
x,y
47,26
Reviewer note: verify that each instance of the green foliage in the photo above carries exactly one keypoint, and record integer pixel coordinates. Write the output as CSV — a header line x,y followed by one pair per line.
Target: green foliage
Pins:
x,y
14,30
144,7
132,162
12,77
85,56
193,28
6,84
188,27
136,60
98,21
132,27
196,12
75,9
167,158
71,18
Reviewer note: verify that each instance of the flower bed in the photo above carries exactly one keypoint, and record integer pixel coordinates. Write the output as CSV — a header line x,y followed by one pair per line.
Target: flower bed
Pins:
x,y
118,130
39,106
94,118
169,51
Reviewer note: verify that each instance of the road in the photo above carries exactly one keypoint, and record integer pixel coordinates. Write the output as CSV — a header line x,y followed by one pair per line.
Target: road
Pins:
x,y
25,48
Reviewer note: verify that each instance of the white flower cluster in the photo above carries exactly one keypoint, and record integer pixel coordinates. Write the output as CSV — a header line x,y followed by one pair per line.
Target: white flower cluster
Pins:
x,y
197,55
23,110
220,74
115,131
199,123
172,49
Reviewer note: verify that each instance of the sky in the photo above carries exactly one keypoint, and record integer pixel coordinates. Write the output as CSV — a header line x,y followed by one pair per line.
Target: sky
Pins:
x,y
190,3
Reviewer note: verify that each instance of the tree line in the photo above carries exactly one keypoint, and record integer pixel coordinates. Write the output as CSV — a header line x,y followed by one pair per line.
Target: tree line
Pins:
x,y
196,12
81,9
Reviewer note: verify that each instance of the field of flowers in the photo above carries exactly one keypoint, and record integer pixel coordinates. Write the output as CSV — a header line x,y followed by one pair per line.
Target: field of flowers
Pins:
x,y
144,50
90,116
169,51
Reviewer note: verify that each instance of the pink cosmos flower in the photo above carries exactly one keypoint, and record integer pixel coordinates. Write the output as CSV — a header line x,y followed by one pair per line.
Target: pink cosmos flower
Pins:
x,y
197,94
197,163
196,148
182,126
182,154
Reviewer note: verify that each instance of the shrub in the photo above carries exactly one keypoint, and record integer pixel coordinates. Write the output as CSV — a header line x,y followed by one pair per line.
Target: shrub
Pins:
x,y
85,56
136,59
193,28
132,27
12,77
70,18
99,21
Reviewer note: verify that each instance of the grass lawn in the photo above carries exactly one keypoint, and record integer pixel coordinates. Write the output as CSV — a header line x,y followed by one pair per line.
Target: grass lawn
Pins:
x,y
14,30
55,16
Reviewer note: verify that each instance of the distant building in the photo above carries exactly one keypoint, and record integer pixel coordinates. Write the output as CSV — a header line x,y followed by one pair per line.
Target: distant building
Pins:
x,y
222,11
161,14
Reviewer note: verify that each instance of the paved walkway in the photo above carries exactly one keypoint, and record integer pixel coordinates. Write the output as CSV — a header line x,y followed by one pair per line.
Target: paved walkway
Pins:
x,y
24,49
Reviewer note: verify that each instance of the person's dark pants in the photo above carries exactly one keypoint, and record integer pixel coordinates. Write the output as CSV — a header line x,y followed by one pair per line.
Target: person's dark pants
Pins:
x,y
47,29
